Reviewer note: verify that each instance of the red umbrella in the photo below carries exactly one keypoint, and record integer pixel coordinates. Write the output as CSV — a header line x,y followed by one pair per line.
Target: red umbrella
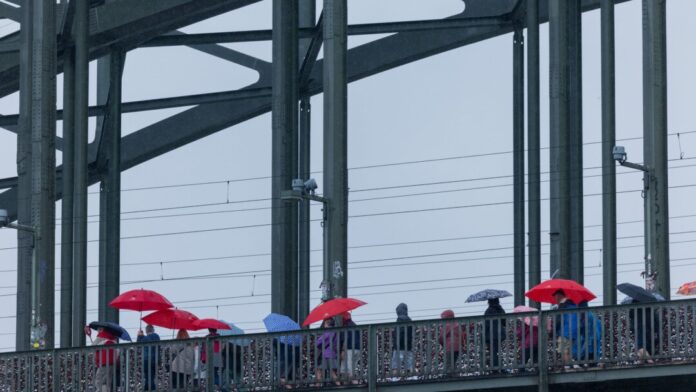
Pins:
x,y
543,292
171,319
332,308
141,300
210,324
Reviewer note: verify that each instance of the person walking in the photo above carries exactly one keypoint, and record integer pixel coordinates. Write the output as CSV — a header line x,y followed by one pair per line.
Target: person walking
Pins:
x,y
567,328
105,359
150,356
402,360
328,344
453,340
494,330
183,364
217,356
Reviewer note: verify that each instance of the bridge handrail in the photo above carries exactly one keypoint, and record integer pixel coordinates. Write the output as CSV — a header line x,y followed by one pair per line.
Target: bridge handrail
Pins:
x,y
427,350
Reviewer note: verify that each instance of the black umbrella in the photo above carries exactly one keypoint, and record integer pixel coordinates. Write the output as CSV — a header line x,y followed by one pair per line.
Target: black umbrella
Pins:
x,y
113,328
636,292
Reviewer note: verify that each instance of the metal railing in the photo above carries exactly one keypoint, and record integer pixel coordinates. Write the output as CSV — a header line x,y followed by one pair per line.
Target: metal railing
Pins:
x,y
539,343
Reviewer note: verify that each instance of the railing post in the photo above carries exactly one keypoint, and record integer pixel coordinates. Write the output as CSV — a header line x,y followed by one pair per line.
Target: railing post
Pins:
x,y
543,354
55,369
371,359
209,362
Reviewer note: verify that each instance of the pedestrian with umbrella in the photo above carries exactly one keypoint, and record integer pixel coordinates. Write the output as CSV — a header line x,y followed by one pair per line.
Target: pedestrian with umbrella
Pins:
x,y
150,356
350,344
212,325
527,334
183,364
566,294
286,348
494,326
641,319
106,360
327,343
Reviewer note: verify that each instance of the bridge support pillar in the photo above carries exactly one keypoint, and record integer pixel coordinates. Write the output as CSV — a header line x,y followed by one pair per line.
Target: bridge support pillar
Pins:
x,y
336,146
284,215
533,145
655,145
518,164
608,164
566,139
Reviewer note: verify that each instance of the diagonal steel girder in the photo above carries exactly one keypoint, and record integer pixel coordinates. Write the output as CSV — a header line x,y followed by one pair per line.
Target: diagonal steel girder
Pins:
x,y
127,24
363,61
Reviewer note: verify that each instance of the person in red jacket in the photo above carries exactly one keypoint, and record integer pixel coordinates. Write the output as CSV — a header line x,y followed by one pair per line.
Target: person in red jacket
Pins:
x,y
105,359
453,340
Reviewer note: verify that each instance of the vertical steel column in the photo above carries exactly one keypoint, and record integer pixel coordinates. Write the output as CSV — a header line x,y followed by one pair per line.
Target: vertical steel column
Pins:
x,y
110,195
307,16
81,30
655,141
66,256
284,215
608,164
336,144
533,144
25,240
43,135
576,175
560,138
518,164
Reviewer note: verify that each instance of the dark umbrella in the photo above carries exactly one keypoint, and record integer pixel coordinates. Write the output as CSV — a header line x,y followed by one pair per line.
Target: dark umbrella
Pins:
x,y
113,328
636,292
485,295
628,300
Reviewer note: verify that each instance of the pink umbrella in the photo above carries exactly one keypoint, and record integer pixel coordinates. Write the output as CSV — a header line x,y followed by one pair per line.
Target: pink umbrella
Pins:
x,y
533,320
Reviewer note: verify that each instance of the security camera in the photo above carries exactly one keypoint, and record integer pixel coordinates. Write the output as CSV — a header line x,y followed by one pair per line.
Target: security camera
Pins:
x,y
4,218
311,185
619,153
298,185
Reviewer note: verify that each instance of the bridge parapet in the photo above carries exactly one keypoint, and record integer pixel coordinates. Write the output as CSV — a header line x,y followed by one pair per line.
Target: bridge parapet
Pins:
x,y
524,345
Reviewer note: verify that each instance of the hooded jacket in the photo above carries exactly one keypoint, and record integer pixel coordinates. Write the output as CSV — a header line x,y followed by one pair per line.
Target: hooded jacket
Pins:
x,y
452,335
402,336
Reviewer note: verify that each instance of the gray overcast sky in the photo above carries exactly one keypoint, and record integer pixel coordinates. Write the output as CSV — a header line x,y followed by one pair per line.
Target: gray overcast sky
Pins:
x,y
455,104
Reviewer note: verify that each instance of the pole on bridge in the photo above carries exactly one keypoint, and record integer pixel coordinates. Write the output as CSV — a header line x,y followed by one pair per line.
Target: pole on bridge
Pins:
x,y
66,235
655,144
307,16
110,193
566,228
518,164
336,145
608,164
533,144
79,295
284,215
36,164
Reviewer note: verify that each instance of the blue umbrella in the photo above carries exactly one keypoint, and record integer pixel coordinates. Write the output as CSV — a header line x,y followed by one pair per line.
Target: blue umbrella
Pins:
x,y
112,328
233,331
275,322
485,295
